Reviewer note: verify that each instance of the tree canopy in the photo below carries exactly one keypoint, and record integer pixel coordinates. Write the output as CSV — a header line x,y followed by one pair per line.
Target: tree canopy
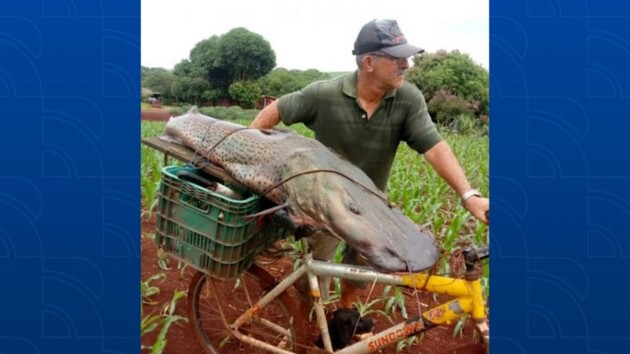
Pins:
x,y
281,81
158,80
451,77
237,56
244,55
245,93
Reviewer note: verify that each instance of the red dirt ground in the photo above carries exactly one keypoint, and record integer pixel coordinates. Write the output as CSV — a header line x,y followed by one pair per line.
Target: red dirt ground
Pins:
x,y
155,114
181,340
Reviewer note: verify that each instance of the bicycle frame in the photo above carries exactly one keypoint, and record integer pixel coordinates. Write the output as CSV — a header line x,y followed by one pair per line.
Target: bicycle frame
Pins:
x,y
468,300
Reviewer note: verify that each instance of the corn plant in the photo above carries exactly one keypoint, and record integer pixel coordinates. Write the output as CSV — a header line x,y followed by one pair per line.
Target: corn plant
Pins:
x,y
395,302
150,167
406,343
147,290
366,308
150,182
163,320
458,330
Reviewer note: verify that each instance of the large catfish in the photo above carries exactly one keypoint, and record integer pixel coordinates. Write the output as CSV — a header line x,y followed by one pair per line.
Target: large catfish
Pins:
x,y
318,188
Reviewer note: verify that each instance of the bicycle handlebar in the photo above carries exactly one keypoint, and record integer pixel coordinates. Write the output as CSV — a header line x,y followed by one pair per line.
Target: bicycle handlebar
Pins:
x,y
473,255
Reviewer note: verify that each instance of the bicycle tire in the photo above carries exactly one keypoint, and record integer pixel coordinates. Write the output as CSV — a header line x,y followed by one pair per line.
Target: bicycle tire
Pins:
x,y
206,295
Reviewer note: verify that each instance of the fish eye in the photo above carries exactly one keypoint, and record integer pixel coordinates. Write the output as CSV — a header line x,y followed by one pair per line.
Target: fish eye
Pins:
x,y
354,208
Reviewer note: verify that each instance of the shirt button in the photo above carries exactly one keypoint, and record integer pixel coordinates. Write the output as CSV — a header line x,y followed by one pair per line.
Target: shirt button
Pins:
x,y
363,116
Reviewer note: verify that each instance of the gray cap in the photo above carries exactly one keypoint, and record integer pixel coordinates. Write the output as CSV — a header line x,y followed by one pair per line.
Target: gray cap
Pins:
x,y
384,35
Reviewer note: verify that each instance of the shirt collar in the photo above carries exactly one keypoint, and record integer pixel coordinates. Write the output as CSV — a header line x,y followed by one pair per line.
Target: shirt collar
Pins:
x,y
349,86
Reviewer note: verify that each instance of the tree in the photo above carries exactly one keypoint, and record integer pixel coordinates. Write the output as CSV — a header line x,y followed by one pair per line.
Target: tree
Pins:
x,y
158,80
220,61
245,93
183,68
245,55
281,81
448,106
453,72
190,89
205,62
180,88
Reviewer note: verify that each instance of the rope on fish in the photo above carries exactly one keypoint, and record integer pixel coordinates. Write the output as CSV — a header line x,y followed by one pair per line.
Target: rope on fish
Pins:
x,y
387,202
200,161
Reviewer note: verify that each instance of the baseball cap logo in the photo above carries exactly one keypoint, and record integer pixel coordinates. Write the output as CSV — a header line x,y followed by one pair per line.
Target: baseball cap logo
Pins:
x,y
397,37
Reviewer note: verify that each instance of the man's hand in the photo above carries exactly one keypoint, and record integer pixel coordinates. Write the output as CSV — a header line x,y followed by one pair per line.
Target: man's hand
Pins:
x,y
268,118
441,157
478,207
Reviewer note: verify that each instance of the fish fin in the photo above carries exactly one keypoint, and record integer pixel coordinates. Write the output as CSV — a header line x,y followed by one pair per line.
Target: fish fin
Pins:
x,y
171,139
276,130
266,211
266,131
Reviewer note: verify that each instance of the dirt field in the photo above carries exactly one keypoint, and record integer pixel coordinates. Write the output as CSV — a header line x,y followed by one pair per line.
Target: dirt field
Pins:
x,y
155,114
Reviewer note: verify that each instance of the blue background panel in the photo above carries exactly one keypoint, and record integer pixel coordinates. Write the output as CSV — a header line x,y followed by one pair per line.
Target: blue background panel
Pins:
x,y
559,176
69,178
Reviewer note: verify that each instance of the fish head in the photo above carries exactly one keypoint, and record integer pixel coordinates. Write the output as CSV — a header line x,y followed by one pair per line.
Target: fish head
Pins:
x,y
189,129
376,228
350,207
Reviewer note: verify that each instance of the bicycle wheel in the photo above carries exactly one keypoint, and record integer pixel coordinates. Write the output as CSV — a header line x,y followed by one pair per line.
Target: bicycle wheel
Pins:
x,y
210,299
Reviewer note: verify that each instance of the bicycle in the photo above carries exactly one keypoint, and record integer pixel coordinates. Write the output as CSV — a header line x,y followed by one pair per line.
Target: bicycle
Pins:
x,y
267,316
269,319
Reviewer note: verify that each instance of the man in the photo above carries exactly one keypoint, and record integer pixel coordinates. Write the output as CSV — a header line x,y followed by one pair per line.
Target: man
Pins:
x,y
364,116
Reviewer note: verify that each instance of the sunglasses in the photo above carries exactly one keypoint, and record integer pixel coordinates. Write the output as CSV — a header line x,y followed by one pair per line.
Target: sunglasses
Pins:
x,y
387,56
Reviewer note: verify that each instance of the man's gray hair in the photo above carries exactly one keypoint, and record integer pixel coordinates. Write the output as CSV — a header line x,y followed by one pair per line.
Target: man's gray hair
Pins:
x,y
359,59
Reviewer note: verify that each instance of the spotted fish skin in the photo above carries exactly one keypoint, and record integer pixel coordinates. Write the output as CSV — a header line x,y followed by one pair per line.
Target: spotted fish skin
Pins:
x,y
340,198
253,157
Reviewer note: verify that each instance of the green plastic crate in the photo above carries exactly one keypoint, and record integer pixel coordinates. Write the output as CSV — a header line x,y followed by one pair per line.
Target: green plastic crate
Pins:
x,y
208,230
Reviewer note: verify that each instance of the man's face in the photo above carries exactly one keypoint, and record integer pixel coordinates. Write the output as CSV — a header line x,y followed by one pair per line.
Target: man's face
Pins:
x,y
390,70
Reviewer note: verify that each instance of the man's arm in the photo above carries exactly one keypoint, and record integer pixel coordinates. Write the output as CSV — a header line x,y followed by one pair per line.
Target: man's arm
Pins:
x,y
268,118
441,157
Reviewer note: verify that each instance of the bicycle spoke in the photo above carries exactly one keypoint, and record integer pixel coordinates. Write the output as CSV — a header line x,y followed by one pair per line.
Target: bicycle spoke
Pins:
x,y
215,304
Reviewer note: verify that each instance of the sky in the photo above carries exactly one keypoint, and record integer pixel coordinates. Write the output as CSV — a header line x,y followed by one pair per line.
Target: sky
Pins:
x,y
316,34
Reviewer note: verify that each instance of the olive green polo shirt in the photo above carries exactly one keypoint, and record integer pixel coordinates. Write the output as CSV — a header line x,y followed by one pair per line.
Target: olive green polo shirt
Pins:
x,y
331,109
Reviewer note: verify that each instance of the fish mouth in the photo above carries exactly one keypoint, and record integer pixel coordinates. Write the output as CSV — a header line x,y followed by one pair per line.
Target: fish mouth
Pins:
x,y
391,243
420,256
